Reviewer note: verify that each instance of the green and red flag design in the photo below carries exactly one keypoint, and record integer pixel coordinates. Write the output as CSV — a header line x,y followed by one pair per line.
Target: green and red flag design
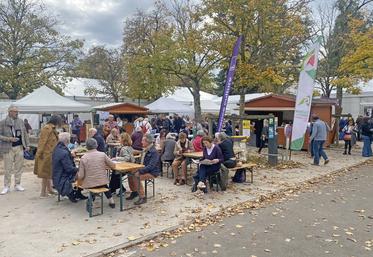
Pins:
x,y
304,97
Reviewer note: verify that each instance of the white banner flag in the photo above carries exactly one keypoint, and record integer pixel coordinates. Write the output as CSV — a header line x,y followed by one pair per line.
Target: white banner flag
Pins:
x,y
304,97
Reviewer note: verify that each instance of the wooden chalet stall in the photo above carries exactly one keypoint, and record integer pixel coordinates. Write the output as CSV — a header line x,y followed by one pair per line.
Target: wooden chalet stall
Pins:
x,y
125,110
283,106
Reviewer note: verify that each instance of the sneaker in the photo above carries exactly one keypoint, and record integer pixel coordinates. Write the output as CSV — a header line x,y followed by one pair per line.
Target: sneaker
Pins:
x,y
326,161
19,188
5,191
201,185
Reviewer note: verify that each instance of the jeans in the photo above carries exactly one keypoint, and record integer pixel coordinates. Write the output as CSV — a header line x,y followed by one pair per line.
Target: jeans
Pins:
x,y
367,147
318,151
204,171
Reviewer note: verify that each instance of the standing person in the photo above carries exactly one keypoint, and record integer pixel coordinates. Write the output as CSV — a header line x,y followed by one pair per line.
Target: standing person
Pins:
x,y
359,121
229,128
76,124
348,132
366,135
111,123
27,126
178,123
13,138
264,135
43,158
319,135
287,131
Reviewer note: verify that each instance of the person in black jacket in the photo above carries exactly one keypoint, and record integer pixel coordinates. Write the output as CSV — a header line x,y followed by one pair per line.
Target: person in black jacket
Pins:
x,y
64,169
366,135
226,145
101,145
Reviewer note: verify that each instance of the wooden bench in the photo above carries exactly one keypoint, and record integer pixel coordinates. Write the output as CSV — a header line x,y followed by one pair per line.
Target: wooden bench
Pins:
x,y
246,167
95,191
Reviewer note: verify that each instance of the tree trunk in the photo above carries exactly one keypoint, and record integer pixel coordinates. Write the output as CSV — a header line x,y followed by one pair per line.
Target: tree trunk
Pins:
x,y
197,103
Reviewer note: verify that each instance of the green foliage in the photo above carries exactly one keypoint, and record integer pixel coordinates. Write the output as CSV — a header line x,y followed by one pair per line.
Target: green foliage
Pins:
x,y
273,33
107,66
32,52
346,47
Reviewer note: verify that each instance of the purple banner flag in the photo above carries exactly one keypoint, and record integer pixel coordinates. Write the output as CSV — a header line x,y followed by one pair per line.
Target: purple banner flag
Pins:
x,y
228,82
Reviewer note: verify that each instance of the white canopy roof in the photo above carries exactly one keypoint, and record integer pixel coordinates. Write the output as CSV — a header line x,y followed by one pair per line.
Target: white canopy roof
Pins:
x,y
182,94
46,100
169,105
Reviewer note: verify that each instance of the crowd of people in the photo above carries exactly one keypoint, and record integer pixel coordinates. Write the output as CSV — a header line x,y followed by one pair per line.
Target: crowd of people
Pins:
x,y
155,141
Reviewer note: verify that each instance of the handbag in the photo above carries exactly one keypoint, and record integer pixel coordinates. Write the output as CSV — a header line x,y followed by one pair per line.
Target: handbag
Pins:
x,y
347,137
28,155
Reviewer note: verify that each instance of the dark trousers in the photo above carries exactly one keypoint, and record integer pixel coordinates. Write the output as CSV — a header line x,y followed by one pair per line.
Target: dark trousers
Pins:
x,y
204,171
115,182
77,133
348,144
262,144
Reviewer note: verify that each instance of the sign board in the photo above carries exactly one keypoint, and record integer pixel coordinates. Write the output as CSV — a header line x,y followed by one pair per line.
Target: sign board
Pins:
x,y
246,127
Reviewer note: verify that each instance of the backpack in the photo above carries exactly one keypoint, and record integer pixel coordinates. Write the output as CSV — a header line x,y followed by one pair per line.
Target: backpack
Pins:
x,y
239,176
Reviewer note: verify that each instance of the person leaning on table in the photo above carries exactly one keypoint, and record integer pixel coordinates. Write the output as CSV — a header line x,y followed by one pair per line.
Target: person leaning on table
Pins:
x,y
65,170
13,138
92,169
150,159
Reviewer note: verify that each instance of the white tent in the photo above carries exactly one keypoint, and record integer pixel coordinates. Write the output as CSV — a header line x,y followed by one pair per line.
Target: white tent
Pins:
x,y
183,94
169,105
46,100
210,107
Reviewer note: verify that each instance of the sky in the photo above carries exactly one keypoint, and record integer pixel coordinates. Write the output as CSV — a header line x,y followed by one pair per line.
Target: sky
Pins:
x,y
98,22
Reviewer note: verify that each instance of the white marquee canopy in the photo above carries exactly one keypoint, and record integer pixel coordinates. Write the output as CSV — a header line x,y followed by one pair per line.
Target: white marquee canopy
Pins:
x,y
46,100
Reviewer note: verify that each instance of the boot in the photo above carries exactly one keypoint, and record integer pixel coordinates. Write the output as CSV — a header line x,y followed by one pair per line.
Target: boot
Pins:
x,y
132,196
79,195
71,197
344,153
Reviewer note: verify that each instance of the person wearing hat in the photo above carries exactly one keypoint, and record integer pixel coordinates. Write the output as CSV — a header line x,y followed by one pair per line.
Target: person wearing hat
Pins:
x,y
13,139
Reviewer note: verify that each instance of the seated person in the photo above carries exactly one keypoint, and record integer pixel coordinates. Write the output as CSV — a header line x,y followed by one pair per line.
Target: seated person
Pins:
x,y
112,139
159,141
226,146
92,169
150,159
182,145
64,169
168,149
213,157
101,145
126,155
197,141
137,139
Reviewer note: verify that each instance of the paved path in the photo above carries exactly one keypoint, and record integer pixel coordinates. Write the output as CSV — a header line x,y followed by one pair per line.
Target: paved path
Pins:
x,y
333,219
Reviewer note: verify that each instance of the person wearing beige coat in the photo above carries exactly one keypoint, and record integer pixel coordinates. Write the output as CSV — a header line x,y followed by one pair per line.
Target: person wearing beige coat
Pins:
x,y
43,158
92,169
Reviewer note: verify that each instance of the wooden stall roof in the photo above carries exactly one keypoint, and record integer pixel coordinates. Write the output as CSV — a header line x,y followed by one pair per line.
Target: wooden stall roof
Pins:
x,y
124,108
282,102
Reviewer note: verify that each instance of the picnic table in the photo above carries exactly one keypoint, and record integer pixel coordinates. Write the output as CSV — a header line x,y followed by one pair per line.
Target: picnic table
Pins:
x,y
126,168
193,155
